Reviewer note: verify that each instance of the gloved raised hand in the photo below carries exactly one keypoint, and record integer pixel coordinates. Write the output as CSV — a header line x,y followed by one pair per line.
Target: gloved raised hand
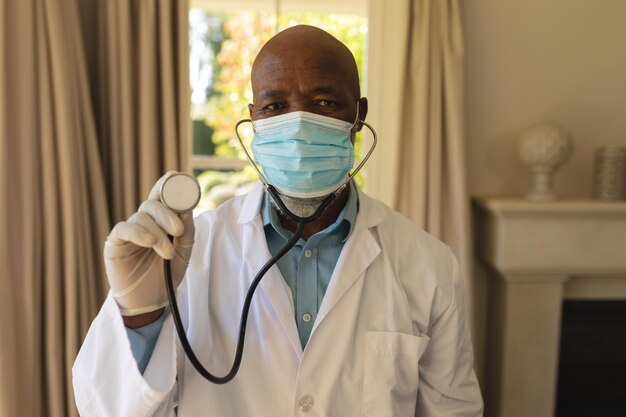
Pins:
x,y
134,250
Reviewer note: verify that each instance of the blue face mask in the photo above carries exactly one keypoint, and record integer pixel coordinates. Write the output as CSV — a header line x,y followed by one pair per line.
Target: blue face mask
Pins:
x,y
303,154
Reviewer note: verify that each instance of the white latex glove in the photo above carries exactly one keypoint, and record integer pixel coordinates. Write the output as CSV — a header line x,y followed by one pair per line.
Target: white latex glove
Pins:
x,y
134,250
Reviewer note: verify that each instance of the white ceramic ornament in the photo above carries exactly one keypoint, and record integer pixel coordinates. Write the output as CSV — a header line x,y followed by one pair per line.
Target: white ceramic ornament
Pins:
x,y
544,148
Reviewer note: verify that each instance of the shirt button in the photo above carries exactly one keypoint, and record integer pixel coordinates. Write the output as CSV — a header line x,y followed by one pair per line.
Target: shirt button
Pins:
x,y
306,403
306,317
308,253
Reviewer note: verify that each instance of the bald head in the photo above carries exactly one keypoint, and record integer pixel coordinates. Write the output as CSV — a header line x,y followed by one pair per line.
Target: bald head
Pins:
x,y
308,46
304,68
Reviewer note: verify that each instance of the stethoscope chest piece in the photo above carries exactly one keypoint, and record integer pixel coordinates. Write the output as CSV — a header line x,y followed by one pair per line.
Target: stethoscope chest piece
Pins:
x,y
180,192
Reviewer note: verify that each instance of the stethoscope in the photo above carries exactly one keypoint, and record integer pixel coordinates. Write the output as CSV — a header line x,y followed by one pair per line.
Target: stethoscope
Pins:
x,y
181,192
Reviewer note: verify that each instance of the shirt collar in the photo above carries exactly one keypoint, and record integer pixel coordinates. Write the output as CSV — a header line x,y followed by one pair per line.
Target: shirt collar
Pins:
x,y
348,214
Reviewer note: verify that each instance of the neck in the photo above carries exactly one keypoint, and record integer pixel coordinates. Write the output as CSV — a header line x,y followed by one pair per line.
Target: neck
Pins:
x,y
328,217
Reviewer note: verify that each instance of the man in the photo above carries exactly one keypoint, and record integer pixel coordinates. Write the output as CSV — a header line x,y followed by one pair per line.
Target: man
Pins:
x,y
363,317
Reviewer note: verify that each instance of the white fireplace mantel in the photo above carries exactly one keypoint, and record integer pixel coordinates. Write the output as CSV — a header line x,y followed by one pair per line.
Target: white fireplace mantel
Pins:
x,y
541,253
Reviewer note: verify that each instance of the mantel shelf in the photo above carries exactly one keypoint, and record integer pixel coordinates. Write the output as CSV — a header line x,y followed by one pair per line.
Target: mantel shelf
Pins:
x,y
515,206
561,237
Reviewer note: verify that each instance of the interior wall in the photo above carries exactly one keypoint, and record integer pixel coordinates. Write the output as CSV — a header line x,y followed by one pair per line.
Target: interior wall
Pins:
x,y
534,60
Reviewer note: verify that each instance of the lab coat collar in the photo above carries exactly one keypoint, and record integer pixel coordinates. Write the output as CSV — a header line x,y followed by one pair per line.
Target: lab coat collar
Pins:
x,y
371,212
252,204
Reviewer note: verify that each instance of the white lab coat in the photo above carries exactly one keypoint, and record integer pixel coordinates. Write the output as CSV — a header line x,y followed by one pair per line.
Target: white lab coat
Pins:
x,y
391,337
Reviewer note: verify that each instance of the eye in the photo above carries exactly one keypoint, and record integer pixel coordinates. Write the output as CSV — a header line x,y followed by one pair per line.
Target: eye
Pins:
x,y
327,103
272,107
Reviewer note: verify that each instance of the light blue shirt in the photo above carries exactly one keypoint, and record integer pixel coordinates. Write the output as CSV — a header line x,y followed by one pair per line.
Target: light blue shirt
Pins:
x,y
143,340
306,268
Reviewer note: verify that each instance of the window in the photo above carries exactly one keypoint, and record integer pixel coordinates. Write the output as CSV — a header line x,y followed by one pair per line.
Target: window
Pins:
x,y
225,36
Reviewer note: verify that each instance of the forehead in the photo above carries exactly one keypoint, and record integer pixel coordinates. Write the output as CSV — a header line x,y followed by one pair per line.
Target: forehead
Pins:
x,y
299,70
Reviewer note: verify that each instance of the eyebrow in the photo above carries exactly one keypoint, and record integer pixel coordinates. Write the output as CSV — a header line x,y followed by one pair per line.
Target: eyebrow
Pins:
x,y
318,90
272,93
324,90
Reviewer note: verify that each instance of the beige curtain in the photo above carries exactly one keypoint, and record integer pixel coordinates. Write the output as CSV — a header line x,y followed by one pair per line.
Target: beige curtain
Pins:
x,y
93,108
53,212
138,60
415,87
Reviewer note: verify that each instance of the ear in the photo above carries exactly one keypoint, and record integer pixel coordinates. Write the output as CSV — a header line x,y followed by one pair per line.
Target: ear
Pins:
x,y
362,108
362,113
250,109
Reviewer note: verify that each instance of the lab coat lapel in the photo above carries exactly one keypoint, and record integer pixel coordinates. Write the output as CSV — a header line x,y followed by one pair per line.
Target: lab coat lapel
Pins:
x,y
359,251
277,293
273,287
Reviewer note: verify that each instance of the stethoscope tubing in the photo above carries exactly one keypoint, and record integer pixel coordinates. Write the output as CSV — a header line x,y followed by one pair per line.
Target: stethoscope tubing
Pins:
x,y
171,291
